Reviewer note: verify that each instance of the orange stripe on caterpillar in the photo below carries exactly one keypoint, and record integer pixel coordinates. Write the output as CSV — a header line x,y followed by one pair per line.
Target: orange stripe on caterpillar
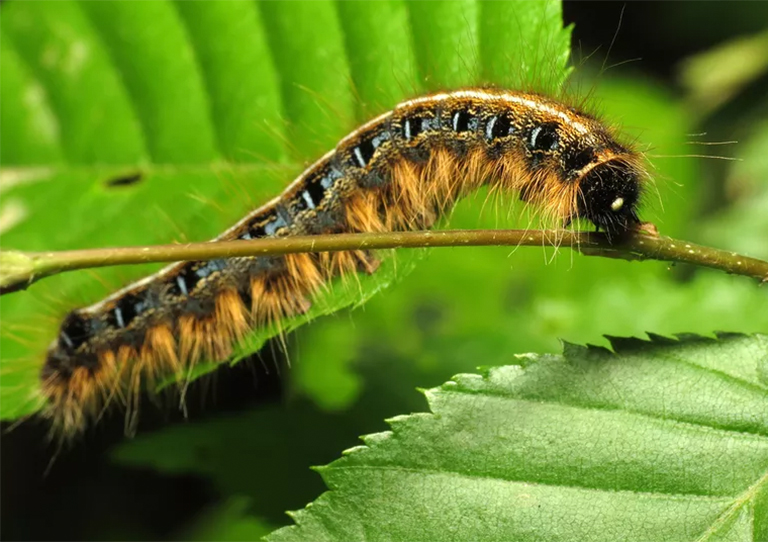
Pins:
x,y
400,171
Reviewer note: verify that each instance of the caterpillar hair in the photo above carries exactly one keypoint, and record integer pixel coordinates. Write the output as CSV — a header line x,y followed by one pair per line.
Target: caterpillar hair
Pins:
x,y
400,171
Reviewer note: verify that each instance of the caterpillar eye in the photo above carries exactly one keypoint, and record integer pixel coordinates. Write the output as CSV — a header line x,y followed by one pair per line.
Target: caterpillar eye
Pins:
x,y
617,204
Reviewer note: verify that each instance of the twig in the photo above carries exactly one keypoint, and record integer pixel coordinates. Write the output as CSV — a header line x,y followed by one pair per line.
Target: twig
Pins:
x,y
20,269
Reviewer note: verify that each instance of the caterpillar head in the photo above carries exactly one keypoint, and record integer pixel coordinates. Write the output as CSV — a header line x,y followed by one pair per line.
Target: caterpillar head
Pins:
x,y
609,196
586,172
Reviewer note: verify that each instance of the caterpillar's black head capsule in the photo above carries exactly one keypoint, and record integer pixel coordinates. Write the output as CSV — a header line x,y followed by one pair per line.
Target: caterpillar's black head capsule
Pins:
x,y
609,197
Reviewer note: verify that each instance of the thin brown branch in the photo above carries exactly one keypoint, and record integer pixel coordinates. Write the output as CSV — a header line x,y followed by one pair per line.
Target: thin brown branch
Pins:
x,y
20,269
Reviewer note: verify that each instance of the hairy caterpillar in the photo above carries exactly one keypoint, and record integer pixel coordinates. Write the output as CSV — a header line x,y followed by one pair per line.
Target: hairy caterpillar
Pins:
x,y
402,170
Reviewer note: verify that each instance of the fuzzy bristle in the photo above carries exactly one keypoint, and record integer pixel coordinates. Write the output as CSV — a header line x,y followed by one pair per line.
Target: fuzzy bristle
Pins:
x,y
402,171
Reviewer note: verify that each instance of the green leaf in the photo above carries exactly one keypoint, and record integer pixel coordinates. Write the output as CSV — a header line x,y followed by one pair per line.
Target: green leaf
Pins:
x,y
228,521
655,440
213,107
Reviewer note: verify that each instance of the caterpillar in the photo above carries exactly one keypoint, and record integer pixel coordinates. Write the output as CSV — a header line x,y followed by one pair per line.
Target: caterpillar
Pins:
x,y
401,171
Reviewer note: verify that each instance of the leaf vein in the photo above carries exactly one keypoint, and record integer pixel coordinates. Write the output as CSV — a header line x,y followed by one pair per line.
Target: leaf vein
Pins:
x,y
471,476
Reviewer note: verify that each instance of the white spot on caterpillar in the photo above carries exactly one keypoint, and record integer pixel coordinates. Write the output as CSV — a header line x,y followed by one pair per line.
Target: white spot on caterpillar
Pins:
x,y
535,135
617,204
489,127
359,156
119,317
182,285
308,199
67,339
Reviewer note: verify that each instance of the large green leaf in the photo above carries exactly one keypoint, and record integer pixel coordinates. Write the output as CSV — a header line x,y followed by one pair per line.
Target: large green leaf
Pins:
x,y
657,440
215,105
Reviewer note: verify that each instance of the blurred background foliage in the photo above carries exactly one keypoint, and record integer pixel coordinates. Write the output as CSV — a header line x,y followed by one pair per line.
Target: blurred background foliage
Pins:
x,y
678,76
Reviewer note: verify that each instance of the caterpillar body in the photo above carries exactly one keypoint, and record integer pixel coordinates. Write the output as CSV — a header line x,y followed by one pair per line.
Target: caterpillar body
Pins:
x,y
400,171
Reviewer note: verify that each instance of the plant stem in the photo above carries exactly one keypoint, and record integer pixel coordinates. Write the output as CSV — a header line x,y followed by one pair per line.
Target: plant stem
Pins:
x,y
20,269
